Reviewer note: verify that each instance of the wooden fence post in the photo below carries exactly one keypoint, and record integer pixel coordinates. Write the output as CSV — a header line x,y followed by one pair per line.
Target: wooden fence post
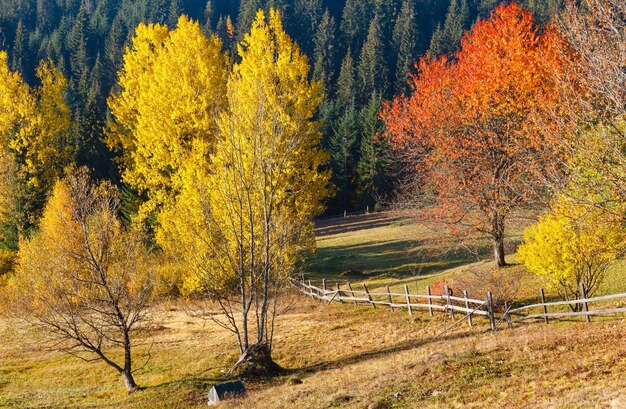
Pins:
x,y
352,293
430,302
408,299
545,308
324,287
338,290
448,303
507,315
469,314
369,297
311,289
389,298
490,310
583,295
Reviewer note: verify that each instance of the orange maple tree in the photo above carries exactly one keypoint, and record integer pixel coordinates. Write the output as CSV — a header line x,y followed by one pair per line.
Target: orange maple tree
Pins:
x,y
469,131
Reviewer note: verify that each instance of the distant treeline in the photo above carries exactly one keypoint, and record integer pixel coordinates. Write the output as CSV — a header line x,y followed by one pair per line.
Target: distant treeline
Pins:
x,y
363,50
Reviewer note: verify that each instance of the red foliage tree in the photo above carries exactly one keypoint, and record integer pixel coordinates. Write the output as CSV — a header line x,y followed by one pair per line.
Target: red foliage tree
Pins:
x,y
468,128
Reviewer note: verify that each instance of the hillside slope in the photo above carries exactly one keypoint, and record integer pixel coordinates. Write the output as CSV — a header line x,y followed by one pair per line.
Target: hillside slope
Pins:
x,y
340,355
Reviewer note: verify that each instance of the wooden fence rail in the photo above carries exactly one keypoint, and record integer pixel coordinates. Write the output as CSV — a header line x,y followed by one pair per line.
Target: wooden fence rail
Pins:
x,y
448,304
586,312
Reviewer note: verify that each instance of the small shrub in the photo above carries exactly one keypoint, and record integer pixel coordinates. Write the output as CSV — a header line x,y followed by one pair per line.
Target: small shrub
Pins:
x,y
573,245
439,287
504,284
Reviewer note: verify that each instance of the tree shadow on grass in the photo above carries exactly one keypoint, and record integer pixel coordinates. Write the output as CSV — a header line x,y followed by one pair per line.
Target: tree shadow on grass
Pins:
x,y
395,259
191,381
198,383
376,353
350,224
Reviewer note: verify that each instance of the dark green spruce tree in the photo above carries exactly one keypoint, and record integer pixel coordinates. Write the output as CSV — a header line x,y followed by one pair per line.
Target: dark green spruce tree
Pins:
x,y
355,20
247,11
372,69
346,84
404,44
91,151
342,159
374,159
457,20
20,49
173,13
77,41
436,43
324,55
306,19
209,13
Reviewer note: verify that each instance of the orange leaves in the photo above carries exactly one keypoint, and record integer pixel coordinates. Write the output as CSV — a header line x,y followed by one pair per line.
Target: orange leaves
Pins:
x,y
469,123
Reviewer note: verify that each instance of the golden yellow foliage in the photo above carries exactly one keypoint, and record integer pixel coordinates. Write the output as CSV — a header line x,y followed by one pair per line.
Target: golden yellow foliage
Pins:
x,y
48,148
243,217
35,124
596,166
15,100
80,245
572,244
172,90
168,278
83,276
8,205
35,129
264,172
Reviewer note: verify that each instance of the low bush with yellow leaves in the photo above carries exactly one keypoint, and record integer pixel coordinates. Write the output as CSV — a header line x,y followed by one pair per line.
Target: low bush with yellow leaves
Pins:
x,y
571,245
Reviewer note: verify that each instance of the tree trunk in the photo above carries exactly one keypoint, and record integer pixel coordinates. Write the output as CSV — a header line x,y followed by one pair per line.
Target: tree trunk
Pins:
x,y
497,223
244,325
127,372
129,381
498,252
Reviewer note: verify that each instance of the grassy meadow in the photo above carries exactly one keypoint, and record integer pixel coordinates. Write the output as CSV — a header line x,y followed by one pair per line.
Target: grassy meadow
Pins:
x,y
341,356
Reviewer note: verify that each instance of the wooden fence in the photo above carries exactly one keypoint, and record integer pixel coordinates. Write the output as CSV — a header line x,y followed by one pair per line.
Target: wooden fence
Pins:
x,y
529,312
445,303
449,304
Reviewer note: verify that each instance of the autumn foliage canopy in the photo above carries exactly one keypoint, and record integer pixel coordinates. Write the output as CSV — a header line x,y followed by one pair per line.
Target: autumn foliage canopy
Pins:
x,y
469,130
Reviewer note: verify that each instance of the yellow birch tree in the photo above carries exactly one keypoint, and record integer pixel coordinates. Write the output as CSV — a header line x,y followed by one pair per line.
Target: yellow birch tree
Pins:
x,y
36,133
573,245
243,219
83,277
173,85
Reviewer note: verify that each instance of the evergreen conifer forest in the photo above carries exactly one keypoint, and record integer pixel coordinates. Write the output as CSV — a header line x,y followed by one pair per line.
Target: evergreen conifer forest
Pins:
x,y
362,50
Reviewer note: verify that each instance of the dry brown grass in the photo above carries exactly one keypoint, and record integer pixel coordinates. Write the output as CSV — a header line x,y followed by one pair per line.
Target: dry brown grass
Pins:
x,y
384,359
345,357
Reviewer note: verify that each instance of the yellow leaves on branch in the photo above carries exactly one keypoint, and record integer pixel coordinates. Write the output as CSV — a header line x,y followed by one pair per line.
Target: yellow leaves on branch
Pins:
x,y
271,105
228,158
173,86
83,276
15,100
35,124
248,209
82,260
579,238
573,243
